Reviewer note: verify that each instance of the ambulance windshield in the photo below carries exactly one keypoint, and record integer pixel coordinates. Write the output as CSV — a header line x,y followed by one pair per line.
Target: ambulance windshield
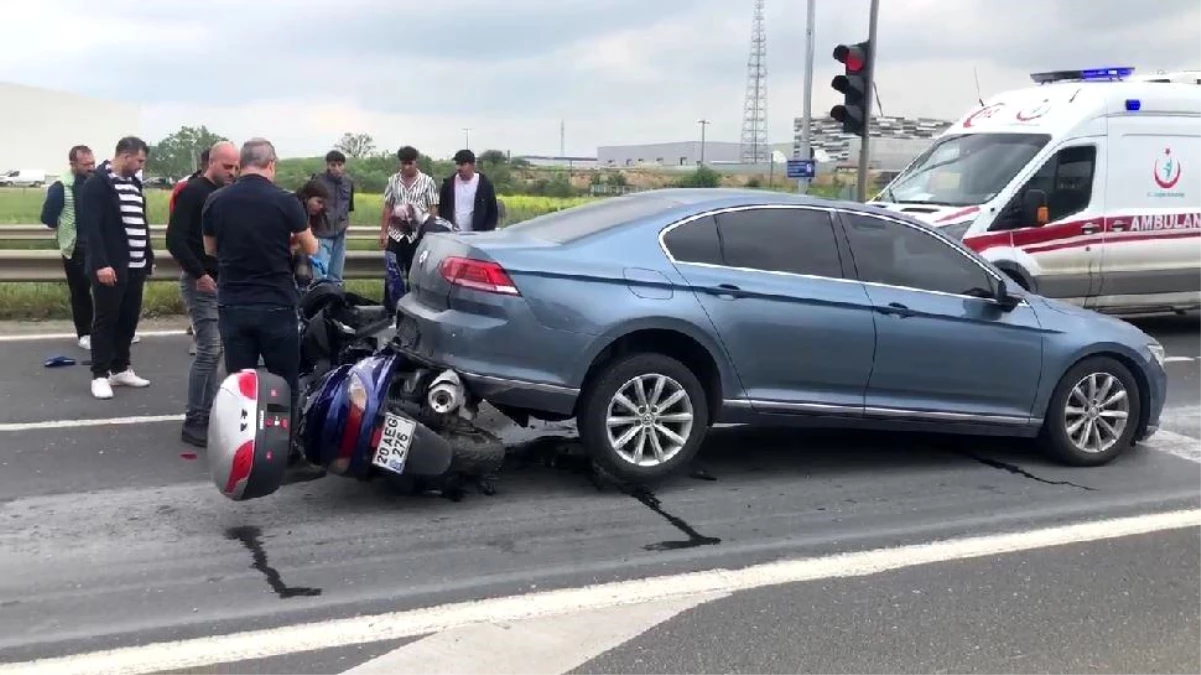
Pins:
x,y
964,170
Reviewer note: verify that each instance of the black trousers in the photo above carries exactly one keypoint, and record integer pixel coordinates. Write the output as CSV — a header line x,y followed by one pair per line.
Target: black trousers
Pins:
x,y
251,331
80,288
117,310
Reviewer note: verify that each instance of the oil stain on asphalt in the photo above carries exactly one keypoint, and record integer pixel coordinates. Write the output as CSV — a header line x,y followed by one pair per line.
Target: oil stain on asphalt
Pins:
x,y
564,454
252,538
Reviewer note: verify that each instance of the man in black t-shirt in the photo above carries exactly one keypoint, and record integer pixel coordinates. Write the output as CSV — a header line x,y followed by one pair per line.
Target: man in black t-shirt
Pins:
x,y
252,227
198,285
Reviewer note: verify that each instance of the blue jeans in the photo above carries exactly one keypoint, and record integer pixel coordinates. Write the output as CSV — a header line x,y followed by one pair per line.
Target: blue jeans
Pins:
x,y
394,280
202,378
332,253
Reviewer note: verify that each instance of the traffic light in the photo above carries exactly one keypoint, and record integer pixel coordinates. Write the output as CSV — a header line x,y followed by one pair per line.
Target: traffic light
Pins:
x,y
852,84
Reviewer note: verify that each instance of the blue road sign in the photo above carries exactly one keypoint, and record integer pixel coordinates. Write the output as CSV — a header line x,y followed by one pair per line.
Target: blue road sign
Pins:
x,y
802,168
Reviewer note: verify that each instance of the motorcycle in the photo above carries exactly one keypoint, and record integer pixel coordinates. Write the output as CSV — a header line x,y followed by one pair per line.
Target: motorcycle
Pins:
x,y
366,410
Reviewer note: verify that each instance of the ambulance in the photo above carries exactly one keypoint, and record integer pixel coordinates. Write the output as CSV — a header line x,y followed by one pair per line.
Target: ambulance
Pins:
x,y
1085,187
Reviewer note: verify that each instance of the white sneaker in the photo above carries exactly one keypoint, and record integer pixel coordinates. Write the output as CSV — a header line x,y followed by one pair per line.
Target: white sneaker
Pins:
x,y
136,339
101,388
127,378
85,343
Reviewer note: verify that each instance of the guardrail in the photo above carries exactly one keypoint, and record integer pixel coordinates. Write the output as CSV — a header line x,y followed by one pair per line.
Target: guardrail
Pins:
x,y
43,233
46,265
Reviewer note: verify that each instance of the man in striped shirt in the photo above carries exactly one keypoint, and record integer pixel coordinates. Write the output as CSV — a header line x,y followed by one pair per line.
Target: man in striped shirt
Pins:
x,y
408,187
118,258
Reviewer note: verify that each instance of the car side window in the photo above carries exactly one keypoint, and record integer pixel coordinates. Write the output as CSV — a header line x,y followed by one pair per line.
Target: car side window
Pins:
x,y
1067,180
898,255
695,242
798,241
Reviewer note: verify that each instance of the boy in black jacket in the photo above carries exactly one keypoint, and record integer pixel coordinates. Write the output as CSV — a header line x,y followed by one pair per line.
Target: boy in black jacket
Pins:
x,y
467,197
118,258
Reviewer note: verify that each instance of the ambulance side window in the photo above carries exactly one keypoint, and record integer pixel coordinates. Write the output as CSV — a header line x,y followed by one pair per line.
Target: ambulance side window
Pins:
x,y
1067,180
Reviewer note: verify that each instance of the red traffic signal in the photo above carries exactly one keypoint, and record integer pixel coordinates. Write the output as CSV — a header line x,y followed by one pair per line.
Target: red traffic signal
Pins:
x,y
852,84
854,57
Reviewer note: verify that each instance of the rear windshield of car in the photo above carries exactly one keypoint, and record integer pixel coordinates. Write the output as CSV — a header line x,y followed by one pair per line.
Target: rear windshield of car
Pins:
x,y
578,222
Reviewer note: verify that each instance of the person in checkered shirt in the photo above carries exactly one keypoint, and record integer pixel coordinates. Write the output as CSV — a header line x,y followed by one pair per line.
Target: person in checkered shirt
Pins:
x,y
407,187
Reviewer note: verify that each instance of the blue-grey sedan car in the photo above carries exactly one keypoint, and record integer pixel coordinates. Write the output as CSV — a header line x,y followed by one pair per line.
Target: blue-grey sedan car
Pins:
x,y
652,316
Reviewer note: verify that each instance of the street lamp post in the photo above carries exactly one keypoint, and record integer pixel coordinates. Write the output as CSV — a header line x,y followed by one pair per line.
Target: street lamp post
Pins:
x,y
703,123
807,112
868,100
467,138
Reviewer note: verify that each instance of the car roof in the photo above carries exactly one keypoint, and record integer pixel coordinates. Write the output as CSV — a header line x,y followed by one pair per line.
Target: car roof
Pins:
x,y
682,202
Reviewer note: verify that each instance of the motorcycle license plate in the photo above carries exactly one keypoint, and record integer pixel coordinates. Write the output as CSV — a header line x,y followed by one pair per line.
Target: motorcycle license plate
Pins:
x,y
394,443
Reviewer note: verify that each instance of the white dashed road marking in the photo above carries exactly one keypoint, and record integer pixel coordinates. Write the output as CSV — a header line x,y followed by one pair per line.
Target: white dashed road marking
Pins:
x,y
38,337
75,424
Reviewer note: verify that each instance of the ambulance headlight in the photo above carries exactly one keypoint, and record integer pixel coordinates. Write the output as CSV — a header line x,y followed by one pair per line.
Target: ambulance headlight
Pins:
x,y
957,230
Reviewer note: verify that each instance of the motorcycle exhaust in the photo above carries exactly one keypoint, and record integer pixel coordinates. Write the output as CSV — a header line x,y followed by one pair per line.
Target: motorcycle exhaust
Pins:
x,y
446,393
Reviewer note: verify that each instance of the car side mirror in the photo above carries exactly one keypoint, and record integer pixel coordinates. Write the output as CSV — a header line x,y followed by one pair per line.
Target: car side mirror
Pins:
x,y
1034,208
1004,298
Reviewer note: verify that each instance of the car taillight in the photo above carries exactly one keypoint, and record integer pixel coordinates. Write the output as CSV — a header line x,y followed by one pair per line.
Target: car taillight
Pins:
x,y
482,275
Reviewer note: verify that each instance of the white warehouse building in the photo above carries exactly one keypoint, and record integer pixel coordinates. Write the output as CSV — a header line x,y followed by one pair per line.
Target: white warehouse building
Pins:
x,y
39,126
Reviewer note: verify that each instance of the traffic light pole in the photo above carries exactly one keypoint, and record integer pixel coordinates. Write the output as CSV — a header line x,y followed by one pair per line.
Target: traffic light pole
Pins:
x,y
802,184
868,99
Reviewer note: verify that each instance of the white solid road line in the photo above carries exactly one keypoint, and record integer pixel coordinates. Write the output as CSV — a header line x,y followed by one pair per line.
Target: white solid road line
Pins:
x,y
547,645
37,337
1181,359
73,424
233,648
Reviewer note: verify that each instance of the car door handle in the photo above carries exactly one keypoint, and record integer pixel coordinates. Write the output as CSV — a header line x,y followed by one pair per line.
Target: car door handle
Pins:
x,y
727,291
896,309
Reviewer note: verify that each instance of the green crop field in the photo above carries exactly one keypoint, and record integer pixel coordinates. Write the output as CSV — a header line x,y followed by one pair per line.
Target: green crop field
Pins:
x,y
23,206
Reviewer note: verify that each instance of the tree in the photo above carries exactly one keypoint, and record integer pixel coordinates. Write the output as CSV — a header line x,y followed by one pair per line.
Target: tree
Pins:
x,y
176,155
703,177
493,157
356,146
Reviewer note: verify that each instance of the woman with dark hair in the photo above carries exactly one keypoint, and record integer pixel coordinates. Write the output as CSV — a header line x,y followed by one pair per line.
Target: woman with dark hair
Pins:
x,y
312,196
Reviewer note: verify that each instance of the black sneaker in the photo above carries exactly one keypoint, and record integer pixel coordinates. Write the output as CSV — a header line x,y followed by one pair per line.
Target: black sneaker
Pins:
x,y
195,434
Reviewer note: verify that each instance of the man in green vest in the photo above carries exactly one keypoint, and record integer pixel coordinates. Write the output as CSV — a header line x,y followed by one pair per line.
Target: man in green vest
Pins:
x,y
59,212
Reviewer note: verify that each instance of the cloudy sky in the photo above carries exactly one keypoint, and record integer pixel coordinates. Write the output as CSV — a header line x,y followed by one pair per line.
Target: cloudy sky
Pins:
x,y
301,72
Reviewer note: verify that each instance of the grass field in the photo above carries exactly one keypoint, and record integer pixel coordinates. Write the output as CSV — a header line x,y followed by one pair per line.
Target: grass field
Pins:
x,y
20,301
23,206
48,300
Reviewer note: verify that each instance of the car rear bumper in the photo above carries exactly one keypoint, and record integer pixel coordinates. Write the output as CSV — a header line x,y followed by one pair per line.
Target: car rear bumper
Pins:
x,y
501,361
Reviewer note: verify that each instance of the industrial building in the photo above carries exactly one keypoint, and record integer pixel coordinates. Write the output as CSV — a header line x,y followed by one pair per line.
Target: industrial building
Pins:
x,y
559,161
674,155
40,125
895,141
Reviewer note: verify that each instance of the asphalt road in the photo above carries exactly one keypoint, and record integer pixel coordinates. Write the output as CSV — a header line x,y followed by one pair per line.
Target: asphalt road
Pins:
x,y
112,535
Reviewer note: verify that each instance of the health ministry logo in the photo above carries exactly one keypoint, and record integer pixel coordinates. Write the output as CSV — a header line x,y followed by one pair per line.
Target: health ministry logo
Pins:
x,y
1167,170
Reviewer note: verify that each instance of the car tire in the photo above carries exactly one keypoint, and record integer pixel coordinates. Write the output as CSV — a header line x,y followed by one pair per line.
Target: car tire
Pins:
x,y
623,376
1071,409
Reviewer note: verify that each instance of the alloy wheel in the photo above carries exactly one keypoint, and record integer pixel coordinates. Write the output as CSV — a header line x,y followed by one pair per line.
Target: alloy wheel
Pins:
x,y
1096,412
649,419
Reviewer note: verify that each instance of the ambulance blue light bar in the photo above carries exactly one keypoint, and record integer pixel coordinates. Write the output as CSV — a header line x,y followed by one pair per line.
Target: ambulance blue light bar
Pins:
x,y
1087,75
